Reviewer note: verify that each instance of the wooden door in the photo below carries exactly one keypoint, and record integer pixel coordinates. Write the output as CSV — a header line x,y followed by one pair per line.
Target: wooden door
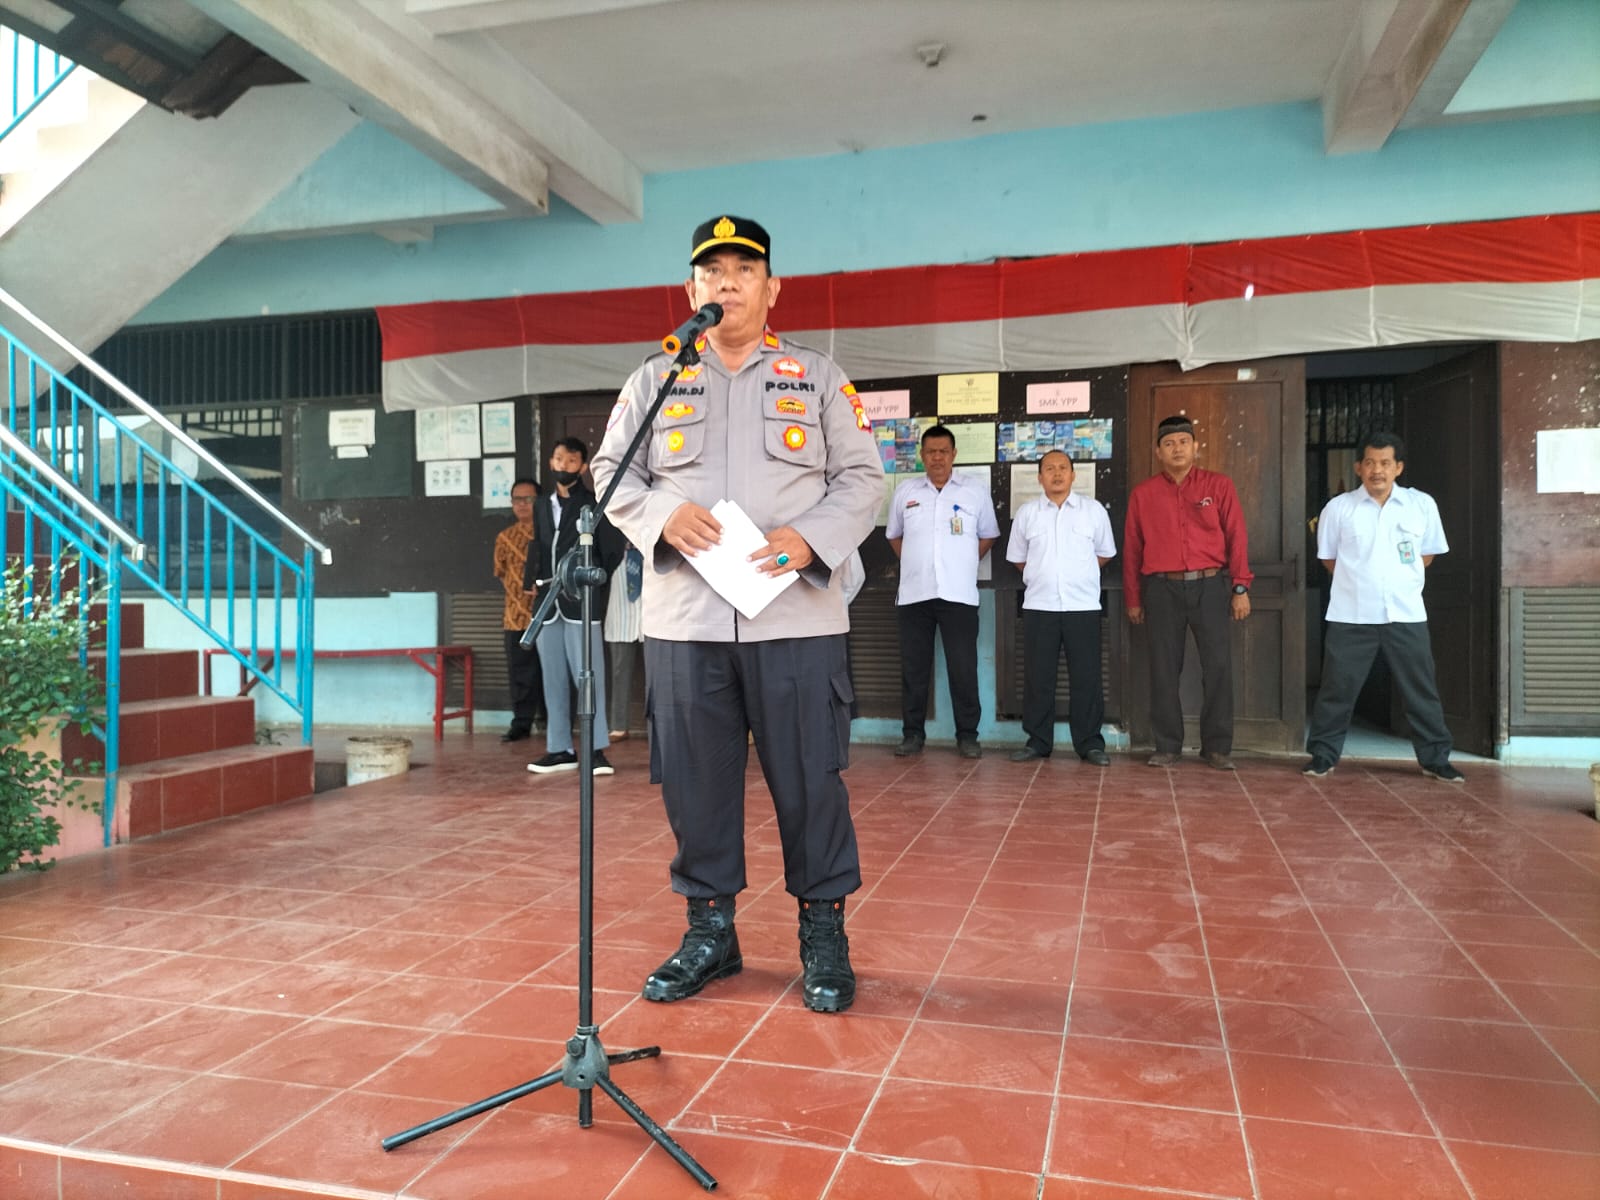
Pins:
x,y
1449,418
1250,420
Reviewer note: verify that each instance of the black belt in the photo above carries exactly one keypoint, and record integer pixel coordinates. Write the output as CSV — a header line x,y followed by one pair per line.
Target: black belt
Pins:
x,y
1187,575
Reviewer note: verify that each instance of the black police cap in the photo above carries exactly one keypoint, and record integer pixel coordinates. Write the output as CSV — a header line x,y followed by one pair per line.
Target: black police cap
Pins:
x,y
730,233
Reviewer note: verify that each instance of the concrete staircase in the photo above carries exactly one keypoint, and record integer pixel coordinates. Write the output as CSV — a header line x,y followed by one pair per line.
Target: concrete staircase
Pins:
x,y
106,201
185,758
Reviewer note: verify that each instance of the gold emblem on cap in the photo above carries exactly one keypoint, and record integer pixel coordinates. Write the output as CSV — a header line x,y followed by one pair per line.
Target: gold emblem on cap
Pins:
x,y
723,228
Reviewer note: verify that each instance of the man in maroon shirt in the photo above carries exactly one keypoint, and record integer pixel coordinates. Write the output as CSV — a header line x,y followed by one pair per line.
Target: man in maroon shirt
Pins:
x,y
1186,565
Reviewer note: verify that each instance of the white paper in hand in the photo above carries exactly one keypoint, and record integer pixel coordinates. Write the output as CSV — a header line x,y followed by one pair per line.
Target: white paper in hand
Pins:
x,y
726,566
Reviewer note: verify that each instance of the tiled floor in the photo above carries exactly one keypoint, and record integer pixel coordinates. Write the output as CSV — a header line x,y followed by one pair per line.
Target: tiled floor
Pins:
x,y
1075,985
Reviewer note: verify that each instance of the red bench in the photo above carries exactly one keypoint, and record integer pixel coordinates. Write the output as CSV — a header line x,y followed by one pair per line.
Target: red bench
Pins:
x,y
432,659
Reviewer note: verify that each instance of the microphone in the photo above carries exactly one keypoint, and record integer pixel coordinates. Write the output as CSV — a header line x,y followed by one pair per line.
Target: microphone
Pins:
x,y
703,320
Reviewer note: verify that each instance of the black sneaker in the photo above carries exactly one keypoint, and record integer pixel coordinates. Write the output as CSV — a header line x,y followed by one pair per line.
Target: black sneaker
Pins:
x,y
1444,773
1317,767
601,765
564,760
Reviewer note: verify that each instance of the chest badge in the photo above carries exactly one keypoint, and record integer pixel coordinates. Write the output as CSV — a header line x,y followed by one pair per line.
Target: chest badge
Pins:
x,y
678,409
791,406
675,441
791,368
794,437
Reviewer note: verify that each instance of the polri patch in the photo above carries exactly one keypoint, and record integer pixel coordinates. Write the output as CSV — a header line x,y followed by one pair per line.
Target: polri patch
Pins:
x,y
794,437
675,441
678,409
789,367
791,406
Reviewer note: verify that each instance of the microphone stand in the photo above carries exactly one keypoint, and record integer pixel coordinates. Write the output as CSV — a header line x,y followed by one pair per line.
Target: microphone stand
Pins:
x,y
586,1065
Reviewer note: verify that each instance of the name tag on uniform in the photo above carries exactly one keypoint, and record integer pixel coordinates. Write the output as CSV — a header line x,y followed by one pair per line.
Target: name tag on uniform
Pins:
x,y
955,526
1408,552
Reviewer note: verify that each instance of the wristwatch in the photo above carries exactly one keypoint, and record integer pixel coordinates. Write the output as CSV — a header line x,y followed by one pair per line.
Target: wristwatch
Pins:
x,y
1240,589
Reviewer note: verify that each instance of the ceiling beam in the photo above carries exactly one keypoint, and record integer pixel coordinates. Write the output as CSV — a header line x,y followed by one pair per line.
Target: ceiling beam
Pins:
x,y
1391,51
586,170
1471,38
348,51
463,16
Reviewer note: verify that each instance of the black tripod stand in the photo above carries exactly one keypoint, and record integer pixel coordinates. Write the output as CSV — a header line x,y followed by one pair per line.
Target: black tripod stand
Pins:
x,y
586,1065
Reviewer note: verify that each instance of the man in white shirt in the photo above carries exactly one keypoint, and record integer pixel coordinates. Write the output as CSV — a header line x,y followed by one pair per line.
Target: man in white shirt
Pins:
x,y
940,526
1377,541
1059,542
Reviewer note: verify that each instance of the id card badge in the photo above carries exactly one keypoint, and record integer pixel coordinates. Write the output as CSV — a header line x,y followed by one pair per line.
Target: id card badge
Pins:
x,y
1408,552
955,526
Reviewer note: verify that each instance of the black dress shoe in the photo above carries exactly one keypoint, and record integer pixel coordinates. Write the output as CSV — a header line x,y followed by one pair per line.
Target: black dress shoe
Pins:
x,y
514,735
1027,754
909,745
1097,758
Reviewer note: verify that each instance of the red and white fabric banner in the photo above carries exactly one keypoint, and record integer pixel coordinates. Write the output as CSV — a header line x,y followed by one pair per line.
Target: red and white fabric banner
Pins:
x,y
1534,279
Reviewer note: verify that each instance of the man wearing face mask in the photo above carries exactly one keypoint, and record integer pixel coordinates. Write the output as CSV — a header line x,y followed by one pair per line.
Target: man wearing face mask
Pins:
x,y
776,428
561,638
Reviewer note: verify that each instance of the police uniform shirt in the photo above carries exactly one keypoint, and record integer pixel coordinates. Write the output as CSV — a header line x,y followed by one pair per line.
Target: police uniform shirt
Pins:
x,y
941,528
784,437
1060,547
1377,552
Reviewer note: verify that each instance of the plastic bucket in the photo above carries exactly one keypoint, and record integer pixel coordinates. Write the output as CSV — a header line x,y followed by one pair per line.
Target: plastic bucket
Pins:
x,y
369,758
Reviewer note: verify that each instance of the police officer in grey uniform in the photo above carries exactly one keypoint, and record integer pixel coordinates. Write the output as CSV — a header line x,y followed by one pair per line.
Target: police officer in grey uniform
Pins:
x,y
778,429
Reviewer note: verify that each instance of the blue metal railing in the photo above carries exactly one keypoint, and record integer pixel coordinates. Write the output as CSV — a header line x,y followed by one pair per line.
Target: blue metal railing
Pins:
x,y
32,73
73,520
204,558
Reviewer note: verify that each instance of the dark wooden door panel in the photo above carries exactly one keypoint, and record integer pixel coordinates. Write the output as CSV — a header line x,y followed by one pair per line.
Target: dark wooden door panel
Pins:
x,y
1250,419
1449,419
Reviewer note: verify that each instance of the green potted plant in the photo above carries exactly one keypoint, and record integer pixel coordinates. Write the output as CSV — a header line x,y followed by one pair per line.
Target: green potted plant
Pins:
x,y
44,688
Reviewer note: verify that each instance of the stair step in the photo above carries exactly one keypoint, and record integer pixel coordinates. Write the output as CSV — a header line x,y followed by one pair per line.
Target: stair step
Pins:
x,y
162,796
152,674
171,728
132,627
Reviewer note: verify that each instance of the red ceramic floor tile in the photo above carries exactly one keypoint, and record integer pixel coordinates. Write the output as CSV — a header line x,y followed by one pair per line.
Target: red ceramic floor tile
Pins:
x,y
1579,1049
297,988
957,1124
1515,1173
374,951
1554,1004
87,1177
985,959
1504,929
1009,1005
81,967
339,1143
1320,1091
1058,1188
862,1176
1142,1145
457,1068
1029,897
1411,956
78,1022
533,1011
741,1167
1007,1059
797,1037
1146,1073
1299,1162
1180,936
512,1155
702,1026
63,1102
1268,945
1284,983
207,1121
196,1038
328,1053
1144,1016
186,977
1455,997
921,889
789,1104
1304,1031
1143,971
1515,1112
1480,1047
31,1173
419,1001
1538,964
498,959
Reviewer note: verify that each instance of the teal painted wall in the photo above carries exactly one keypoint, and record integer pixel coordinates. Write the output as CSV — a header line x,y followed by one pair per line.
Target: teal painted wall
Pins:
x,y
1248,173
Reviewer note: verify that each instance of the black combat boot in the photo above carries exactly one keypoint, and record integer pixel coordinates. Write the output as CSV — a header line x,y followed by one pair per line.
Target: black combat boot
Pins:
x,y
830,984
710,950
